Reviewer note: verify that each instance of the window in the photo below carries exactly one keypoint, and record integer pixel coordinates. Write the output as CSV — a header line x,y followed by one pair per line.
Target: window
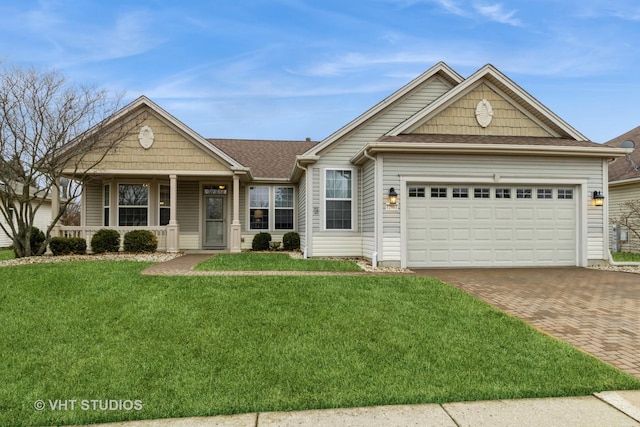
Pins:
x,y
133,205
283,208
416,192
165,204
481,193
503,193
338,199
259,208
438,192
565,193
523,193
460,193
545,193
106,204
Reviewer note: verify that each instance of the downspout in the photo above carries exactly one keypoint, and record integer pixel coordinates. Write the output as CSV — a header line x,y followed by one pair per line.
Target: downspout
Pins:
x,y
306,204
374,254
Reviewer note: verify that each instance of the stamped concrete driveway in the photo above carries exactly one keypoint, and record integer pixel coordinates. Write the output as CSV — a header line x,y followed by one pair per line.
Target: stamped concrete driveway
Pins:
x,y
595,310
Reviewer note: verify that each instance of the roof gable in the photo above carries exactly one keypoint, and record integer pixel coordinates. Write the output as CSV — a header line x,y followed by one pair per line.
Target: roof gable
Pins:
x,y
440,70
626,168
511,98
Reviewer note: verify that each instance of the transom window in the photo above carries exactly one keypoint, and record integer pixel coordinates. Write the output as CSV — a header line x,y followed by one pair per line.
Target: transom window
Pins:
x,y
503,193
338,199
416,192
545,193
460,193
481,193
523,193
259,208
565,193
133,205
438,192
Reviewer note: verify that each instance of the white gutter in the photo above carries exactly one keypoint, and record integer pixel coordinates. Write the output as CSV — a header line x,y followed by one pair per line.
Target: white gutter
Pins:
x,y
307,221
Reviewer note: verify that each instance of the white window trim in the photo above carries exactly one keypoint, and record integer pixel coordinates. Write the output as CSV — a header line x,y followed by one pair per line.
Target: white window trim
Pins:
x,y
117,195
354,197
160,185
105,206
270,197
272,224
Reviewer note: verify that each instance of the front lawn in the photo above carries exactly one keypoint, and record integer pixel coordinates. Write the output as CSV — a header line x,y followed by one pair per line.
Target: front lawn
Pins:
x,y
273,262
625,257
208,345
6,254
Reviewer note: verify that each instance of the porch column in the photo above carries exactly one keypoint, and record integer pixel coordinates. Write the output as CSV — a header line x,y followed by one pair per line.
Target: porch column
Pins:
x,y
236,237
173,229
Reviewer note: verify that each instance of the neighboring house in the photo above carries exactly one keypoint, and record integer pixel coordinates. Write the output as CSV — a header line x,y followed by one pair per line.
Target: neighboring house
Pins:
x,y
42,221
624,186
444,172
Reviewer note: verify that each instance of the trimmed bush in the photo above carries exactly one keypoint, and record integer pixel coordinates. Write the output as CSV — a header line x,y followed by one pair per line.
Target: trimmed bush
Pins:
x,y
140,241
261,242
291,241
59,246
77,245
105,240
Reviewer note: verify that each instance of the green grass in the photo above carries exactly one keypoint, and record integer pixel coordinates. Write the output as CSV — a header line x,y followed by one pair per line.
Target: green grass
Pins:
x,y
208,345
273,262
6,254
625,257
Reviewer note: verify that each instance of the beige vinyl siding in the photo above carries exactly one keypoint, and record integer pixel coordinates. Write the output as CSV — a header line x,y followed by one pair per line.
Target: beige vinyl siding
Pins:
x,y
41,220
188,213
315,202
94,203
189,241
504,167
460,117
618,196
337,244
367,209
302,210
171,150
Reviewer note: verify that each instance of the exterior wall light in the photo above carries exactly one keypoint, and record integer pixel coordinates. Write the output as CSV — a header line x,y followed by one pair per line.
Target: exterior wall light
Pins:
x,y
598,198
393,196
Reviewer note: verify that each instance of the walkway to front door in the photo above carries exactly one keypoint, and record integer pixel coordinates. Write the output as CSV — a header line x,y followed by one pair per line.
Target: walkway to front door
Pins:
x,y
595,310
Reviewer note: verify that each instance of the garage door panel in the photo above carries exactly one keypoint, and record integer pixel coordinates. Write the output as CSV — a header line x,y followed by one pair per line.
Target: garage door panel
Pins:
x,y
491,232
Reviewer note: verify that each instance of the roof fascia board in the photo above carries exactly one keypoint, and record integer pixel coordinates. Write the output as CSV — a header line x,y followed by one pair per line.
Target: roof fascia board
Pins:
x,y
491,72
440,68
622,182
484,149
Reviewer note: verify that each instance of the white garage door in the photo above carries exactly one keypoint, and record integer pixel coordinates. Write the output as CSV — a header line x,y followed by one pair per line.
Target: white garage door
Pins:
x,y
476,225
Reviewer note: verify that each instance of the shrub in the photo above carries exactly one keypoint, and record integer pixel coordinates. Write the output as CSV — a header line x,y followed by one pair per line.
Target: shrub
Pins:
x,y
140,241
261,242
105,241
77,245
291,241
37,239
59,246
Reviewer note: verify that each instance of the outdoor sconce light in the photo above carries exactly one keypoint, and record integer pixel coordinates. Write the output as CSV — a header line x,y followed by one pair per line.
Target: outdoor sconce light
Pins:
x,y
393,196
598,198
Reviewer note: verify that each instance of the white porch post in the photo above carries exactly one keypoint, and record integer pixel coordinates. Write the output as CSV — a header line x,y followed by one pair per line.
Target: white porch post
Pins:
x,y
173,229
235,222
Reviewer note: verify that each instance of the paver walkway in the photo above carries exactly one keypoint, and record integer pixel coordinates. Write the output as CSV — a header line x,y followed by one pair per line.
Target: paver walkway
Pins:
x,y
595,310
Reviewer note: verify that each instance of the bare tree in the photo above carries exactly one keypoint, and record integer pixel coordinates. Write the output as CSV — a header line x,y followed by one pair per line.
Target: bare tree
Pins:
x,y
50,128
629,217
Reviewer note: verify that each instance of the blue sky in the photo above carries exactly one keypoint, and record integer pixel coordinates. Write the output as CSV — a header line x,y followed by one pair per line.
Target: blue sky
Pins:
x,y
290,69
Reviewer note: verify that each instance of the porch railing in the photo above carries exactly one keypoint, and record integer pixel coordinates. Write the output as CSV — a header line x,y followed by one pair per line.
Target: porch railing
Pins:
x,y
87,233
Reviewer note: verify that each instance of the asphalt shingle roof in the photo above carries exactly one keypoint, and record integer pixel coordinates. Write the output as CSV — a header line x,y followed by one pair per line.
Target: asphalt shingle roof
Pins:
x,y
265,158
621,168
487,139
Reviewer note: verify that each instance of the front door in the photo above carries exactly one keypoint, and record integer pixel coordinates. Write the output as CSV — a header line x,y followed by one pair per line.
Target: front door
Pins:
x,y
215,225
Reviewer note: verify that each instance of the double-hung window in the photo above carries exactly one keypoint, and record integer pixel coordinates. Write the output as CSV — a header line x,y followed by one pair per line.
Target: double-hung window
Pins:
x,y
106,205
283,202
259,208
165,204
133,205
338,199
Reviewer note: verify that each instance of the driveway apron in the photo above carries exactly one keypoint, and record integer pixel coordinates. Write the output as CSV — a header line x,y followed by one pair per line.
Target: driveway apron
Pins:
x,y
597,311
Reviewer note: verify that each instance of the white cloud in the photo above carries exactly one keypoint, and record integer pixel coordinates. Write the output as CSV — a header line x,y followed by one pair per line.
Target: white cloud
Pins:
x,y
496,12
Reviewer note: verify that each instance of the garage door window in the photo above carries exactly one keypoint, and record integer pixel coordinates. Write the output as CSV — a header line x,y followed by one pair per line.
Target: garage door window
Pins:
x,y
503,193
523,193
565,193
460,193
481,193
416,192
438,192
545,193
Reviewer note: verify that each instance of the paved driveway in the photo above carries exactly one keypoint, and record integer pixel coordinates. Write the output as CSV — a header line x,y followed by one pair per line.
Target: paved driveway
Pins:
x,y
595,310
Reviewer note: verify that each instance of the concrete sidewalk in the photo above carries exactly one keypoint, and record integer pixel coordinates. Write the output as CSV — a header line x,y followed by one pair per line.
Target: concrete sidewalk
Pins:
x,y
611,409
